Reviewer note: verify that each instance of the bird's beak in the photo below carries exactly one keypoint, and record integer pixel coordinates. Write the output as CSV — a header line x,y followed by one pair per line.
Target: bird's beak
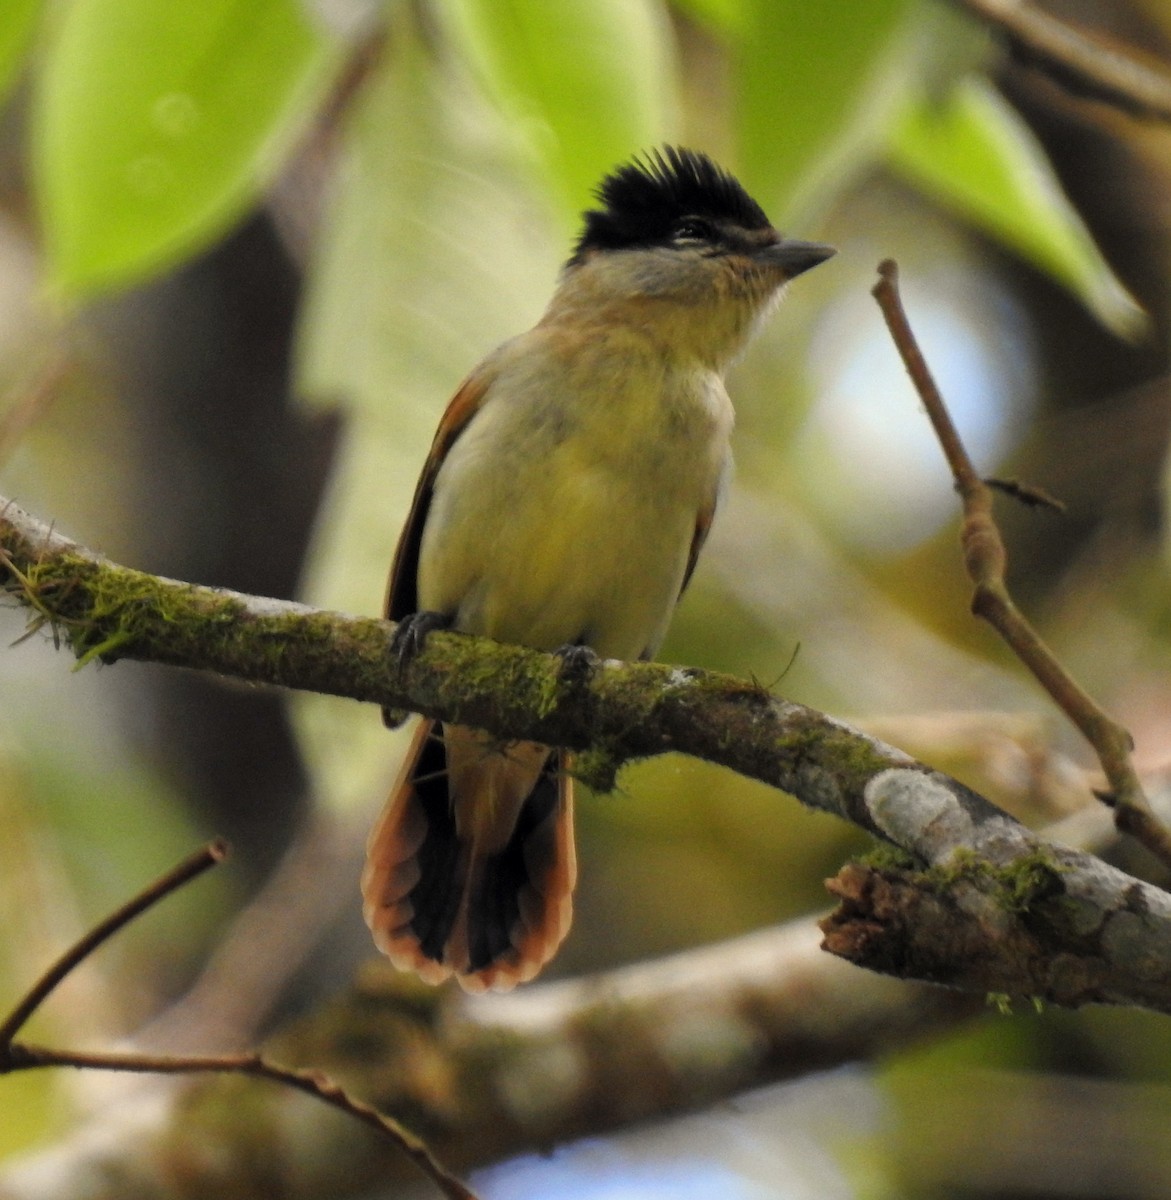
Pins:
x,y
794,257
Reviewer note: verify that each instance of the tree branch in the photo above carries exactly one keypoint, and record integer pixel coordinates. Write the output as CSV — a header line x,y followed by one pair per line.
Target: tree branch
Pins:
x,y
489,1076
1086,63
1117,929
986,559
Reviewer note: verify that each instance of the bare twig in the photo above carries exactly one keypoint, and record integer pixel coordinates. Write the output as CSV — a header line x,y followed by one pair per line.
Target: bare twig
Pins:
x,y
18,1056
985,559
190,868
1087,63
317,1084
1028,494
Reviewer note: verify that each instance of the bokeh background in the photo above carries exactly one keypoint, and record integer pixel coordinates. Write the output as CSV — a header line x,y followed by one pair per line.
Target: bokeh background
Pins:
x,y
247,252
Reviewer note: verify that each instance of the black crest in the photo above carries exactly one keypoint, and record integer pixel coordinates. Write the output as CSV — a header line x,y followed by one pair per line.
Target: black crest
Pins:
x,y
646,199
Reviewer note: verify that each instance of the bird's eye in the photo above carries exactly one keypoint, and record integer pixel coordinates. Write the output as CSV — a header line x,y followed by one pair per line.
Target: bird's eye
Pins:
x,y
692,229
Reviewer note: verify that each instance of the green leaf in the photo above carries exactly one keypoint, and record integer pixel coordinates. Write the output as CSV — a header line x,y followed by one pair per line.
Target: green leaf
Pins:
x,y
812,79
974,154
16,30
585,84
724,16
156,123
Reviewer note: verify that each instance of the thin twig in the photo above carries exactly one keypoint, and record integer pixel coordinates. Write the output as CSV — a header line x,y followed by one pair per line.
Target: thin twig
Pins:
x,y
190,868
1028,494
1088,63
27,408
17,1056
985,559
312,1083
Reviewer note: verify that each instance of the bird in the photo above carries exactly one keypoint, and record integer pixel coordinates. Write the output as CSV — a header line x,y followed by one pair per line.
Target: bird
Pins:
x,y
563,506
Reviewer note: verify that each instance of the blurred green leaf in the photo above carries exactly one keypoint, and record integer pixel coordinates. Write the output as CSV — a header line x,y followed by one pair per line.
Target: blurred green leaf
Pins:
x,y
809,73
434,250
432,253
725,16
156,123
33,1108
16,30
585,83
972,153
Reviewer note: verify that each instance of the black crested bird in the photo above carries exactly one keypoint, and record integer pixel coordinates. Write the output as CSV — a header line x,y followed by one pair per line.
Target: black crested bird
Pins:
x,y
567,495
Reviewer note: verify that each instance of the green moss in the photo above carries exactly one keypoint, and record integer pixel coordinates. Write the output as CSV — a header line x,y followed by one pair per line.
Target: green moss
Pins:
x,y
1017,886
127,608
884,856
106,651
276,637
598,768
842,751
1002,1002
490,667
104,611
854,755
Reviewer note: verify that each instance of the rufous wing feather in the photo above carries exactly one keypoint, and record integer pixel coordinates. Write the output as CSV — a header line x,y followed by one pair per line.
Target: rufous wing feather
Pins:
x,y
402,598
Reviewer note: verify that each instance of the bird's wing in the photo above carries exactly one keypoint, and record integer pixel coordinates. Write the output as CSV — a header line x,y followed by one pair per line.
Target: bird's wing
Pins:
x,y
703,523
402,597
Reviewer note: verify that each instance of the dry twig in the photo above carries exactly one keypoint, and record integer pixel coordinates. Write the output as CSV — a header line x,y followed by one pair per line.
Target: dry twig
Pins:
x,y
1087,63
20,1056
30,404
1028,494
985,559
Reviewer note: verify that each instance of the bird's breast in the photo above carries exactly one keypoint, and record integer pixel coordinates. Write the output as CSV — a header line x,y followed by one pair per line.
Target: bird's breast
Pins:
x,y
566,509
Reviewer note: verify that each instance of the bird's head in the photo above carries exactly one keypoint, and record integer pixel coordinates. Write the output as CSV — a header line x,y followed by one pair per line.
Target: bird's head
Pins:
x,y
678,238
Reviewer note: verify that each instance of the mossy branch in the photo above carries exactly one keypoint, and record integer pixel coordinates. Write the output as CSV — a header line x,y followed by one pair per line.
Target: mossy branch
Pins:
x,y
1116,929
618,713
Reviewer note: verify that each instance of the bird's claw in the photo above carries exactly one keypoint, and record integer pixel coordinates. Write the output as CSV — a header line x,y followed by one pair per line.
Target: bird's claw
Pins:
x,y
578,662
410,635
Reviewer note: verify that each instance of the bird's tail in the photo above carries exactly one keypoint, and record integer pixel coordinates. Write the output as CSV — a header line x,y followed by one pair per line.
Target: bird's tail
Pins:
x,y
470,869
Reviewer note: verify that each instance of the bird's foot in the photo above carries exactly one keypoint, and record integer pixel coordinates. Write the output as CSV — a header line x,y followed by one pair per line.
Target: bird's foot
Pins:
x,y
405,643
578,662
410,635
